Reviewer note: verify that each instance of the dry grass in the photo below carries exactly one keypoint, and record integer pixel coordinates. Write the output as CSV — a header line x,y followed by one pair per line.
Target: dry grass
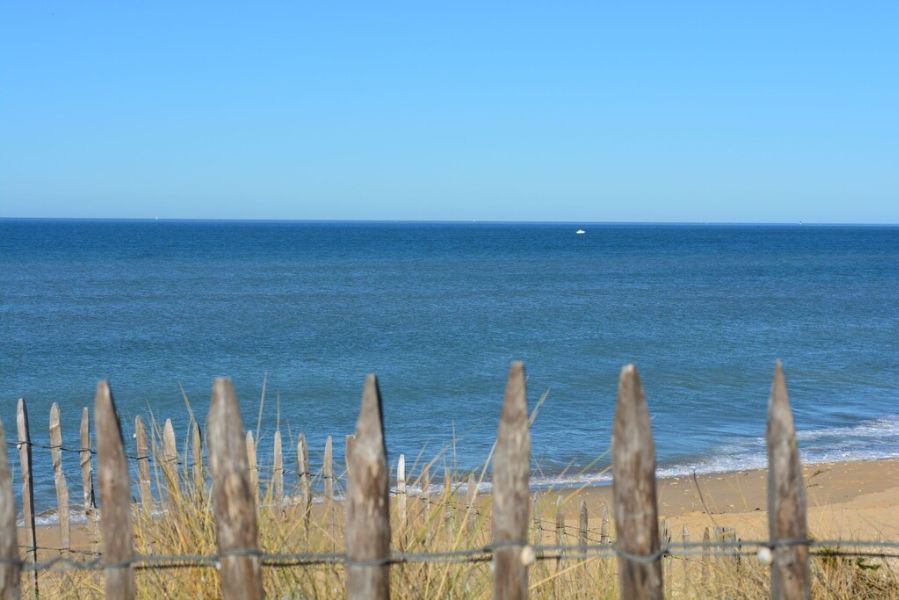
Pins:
x,y
185,526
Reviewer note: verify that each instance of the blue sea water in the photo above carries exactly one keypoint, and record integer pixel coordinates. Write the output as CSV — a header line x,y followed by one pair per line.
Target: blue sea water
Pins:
x,y
438,311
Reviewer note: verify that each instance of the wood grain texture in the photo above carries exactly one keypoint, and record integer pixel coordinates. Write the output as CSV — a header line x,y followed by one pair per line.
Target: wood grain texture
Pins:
x,y
170,460
59,478
115,496
401,500
234,501
196,450
25,467
252,464
634,490
305,479
10,585
790,575
511,470
87,467
277,469
367,507
143,464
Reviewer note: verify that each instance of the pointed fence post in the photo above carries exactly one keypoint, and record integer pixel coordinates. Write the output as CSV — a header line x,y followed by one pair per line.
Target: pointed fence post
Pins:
x,y
59,477
511,470
27,486
402,517
471,506
10,568
278,470
170,459
305,481
634,492
252,463
87,468
234,501
604,526
115,496
425,497
349,441
143,464
583,520
196,444
328,476
368,503
790,575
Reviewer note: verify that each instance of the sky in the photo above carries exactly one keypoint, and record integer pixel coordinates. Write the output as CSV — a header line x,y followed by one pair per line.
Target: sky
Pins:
x,y
601,111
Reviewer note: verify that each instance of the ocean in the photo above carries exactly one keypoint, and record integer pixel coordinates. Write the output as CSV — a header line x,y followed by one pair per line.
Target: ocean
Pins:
x,y
437,311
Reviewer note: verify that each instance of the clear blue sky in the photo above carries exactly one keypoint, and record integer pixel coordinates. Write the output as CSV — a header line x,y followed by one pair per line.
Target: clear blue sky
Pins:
x,y
673,111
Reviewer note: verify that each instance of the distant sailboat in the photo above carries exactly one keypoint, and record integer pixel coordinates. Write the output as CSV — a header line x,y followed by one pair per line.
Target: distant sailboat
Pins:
x,y
580,232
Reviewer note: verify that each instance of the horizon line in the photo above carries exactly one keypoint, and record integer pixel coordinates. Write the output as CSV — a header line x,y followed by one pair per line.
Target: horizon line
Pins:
x,y
448,221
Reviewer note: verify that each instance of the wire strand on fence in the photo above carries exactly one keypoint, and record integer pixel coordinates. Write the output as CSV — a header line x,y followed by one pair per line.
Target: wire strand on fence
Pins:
x,y
825,548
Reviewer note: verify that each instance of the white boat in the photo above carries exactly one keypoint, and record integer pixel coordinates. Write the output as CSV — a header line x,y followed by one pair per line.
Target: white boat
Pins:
x,y
580,232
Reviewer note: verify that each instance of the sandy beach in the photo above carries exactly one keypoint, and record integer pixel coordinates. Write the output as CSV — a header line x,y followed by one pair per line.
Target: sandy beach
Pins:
x,y
846,500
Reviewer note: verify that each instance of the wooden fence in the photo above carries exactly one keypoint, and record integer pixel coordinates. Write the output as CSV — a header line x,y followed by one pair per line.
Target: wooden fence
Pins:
x,y
641,547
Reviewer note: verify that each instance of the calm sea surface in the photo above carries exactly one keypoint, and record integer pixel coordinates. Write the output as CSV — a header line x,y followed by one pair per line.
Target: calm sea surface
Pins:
x,y
438,311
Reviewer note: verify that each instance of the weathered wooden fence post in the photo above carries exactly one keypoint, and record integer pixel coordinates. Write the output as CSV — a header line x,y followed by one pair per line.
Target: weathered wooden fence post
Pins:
x,y
59,477
277,470
328,476
685,538
252,463
634,492
402,517
425,498
143,464
87,469
511,470
233,496
790,575
368,503
27,486
10,586
471,506
196,445
349,441
115,496
305,481
170,460
604,526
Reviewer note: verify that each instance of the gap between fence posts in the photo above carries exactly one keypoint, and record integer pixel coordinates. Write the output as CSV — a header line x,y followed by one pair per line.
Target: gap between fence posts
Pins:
x,y
511,469
634,491
10,568
367,528
115,496
234,501
790,575
27,486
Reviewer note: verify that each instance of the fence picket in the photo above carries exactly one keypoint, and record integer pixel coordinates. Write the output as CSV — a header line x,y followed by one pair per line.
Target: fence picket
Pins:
x,y
305,481
234,500
252,463
115,496
402,517
10,585
143,464
59,478
634,490
196,446
511,470
790,575
87,467
170,460
368,503
27,486
277,470
471,507
328,476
